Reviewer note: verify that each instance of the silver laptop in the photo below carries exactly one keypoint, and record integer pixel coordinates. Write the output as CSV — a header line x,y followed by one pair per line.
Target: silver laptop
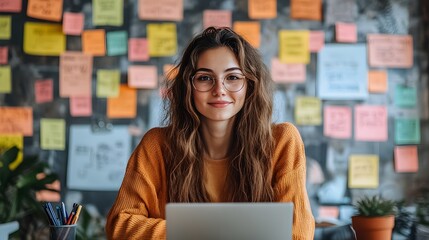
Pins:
x,y
229,221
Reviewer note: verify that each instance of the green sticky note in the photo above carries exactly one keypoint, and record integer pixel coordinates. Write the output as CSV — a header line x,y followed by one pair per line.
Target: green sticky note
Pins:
x,y
5,79
5,27
107,12
405,96
52,134
117,43
407,131
108,82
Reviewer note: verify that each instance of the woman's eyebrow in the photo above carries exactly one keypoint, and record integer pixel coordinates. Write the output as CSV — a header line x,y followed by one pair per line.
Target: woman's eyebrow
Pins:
x,y
226,70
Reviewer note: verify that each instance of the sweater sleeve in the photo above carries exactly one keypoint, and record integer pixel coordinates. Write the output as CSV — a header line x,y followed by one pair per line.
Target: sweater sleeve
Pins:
x,y
139,209
289,179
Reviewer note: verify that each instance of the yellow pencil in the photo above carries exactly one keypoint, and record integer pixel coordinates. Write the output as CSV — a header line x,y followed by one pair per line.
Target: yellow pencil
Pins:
x,y
76,216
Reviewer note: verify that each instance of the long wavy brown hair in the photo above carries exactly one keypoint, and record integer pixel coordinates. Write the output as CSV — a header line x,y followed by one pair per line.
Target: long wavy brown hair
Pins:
x,y
249,175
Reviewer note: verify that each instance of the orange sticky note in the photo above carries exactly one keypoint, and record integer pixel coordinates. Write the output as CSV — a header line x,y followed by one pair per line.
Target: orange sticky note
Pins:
x,y
10,5
262,9
44,90
16,120
287,73
94,42
337,122
138,49
51,10
306,9
377,81
217,18
161,10
317,41
391,51
73,23
3,55
345,32
75,74
406,159
142,76
329,211
123,106
251,31
81,106
371,123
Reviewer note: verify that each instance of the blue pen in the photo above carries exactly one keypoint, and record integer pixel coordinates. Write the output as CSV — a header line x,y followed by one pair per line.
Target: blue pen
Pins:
x,y
63,208
54,219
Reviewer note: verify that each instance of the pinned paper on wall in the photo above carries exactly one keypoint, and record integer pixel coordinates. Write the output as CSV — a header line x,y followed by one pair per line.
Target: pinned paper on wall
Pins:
x,y
328,212
294,46
287,73
123,106
117,43
73,23
5,79
345,32
5,27
81,106
93,42
162,39
262,9
108,82
3,55
306,9
371,123
169,10
107,13
10,5
340,11
16,120
51,10
75,74
143,77
407,131
249,30
138,50
391,51
44,39
217,18
337,122
43,90
405,97
8,141
363,171
377,81
406,159
52,134
317,40
308,110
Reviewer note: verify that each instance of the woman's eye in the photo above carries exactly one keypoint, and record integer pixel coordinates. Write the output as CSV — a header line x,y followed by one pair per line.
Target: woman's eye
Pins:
x,y
204,78
234,77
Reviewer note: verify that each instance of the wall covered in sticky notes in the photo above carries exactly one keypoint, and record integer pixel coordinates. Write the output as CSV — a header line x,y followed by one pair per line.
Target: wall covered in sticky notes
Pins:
x,y
356,86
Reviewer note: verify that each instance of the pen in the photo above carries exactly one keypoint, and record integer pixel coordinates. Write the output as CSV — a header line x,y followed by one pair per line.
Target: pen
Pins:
x,y
63,208
76,216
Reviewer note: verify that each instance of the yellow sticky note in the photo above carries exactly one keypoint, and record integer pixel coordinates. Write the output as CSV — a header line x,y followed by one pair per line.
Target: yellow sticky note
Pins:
x,y
363,171
8,141
44,39
107,12
251,31
294,46
5,79
162,39
5,27
308,111
108,82
52,134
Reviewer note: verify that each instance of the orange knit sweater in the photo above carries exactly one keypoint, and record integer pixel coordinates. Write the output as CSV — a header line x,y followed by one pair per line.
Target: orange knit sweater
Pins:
x,y
139,209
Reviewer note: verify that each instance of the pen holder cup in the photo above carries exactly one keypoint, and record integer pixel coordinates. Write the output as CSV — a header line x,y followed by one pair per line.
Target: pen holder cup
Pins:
x,y
63,232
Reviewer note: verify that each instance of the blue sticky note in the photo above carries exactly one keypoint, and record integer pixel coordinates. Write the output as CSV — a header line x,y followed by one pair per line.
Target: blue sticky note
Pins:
x,y
407,131
405,96
117,43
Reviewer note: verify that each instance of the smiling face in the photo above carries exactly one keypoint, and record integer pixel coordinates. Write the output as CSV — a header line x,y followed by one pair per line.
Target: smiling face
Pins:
x,y
218,104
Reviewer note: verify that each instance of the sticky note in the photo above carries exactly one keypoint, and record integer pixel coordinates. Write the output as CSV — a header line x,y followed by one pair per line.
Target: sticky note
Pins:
x,y
306,9
363,171
337,122
43,90
294,46
329,212
123,106
5,79
16,120
75,74
262,9
217,18
3,55
117,43
406,159
52,134
405,97
5,27
371,123
340,11
345,32
391,51
249,30
308,110
107,12
51,10
407,131
287,73
170,10
108,82
10,5
143,77
81,106
138,49
93,42
44,39
73,23
377,81
317,40
162,39
8,141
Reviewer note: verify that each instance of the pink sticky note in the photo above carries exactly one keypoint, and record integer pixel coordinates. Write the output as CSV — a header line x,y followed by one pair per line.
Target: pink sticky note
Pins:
x,y
80,106
171,10
406,159
345,32
138,49
217,18
329,211
10,5
75,74
317,41
371,123
44,90
390,51
142,77
73,23
337,122
287,73
3,55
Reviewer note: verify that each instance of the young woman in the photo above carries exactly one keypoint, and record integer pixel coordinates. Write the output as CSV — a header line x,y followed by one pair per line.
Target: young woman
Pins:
x,y
219,144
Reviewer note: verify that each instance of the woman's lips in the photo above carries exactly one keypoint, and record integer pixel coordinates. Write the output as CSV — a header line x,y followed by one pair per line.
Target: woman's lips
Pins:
x,y
219,104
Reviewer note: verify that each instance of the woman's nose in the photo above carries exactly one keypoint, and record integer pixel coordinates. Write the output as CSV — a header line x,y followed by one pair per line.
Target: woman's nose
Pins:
x,y
218,88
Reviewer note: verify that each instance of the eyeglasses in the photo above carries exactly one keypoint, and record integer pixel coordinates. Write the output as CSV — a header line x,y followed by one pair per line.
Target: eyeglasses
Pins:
x,y
204,82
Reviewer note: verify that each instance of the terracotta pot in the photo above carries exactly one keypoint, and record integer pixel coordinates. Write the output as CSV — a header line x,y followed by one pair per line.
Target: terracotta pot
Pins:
x,y
373,228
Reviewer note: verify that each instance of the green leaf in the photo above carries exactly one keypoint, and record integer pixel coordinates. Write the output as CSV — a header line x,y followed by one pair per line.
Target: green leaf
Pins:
x,y
6,158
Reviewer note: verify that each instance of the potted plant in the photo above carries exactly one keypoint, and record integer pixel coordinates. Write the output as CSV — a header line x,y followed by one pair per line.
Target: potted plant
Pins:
x,y
375,218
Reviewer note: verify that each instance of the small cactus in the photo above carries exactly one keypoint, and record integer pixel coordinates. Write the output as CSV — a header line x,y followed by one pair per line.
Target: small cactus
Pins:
x,y
375,206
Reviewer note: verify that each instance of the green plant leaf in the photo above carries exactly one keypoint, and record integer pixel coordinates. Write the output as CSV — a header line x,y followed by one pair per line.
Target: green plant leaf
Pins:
x,y
6,158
